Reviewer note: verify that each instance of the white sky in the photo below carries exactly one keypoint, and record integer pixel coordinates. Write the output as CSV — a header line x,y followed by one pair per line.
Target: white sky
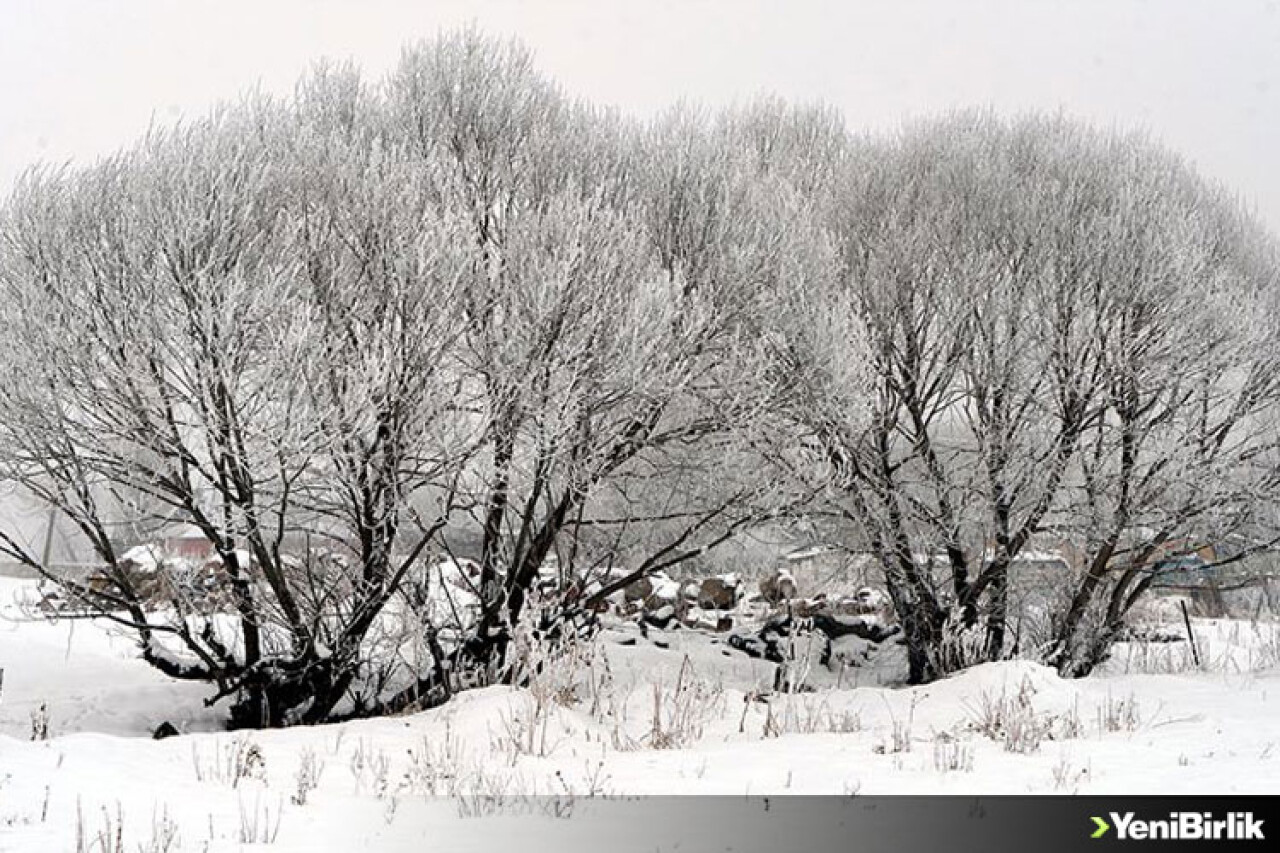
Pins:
x,y
79,78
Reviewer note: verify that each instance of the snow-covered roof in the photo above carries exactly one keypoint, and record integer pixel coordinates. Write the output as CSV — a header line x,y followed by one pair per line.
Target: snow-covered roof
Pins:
x,y
1039,557
181,530
810,552
145,557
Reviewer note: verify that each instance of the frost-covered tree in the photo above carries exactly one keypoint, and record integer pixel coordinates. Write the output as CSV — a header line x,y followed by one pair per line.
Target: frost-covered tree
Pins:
x,y
1010,279
608,324
1181,458
243,324
324,328
328,329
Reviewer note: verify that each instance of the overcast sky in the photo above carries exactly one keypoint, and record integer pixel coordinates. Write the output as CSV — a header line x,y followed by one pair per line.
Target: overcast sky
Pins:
x,y
79,78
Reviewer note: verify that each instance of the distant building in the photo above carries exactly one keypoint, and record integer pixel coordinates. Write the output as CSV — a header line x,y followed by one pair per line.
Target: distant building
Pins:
x,y
184,540
818,567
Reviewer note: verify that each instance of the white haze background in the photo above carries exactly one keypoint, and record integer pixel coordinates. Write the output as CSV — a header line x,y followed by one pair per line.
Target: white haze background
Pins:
x,y
82,77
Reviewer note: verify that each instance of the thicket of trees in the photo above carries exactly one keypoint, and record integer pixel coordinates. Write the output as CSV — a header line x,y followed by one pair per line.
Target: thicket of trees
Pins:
x,y
324,328
1065,332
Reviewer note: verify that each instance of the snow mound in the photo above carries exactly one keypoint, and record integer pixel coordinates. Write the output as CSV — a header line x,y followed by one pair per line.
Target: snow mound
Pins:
x,y
1048,691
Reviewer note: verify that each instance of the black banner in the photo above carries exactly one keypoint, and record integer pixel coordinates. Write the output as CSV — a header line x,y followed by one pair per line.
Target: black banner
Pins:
x,y
804,824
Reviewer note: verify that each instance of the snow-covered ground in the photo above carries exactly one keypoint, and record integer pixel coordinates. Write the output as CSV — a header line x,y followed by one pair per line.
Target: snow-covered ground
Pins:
x,y
626,716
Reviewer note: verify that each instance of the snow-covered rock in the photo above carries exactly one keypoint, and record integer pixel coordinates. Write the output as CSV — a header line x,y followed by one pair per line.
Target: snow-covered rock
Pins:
x,y
720,592
778,586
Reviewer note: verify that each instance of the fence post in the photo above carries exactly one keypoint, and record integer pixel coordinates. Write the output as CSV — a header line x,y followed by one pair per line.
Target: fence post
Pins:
x,y
1191,638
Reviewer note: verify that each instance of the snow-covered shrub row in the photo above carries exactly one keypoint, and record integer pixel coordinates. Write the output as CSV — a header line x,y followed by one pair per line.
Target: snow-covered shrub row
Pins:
x,y
340,392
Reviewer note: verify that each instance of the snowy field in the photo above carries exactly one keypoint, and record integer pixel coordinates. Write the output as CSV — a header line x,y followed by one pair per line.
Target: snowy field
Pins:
x,y
625,716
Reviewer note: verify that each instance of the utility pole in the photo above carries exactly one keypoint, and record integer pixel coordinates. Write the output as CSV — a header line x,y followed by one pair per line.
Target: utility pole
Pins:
x,y
47,551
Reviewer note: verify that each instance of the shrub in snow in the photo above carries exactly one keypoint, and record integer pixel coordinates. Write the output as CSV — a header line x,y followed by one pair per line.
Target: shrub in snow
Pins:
x,y
681,712
1119,715
259,821
951,753
901,731
1011,718
229,762
307,777
40,722
107,838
